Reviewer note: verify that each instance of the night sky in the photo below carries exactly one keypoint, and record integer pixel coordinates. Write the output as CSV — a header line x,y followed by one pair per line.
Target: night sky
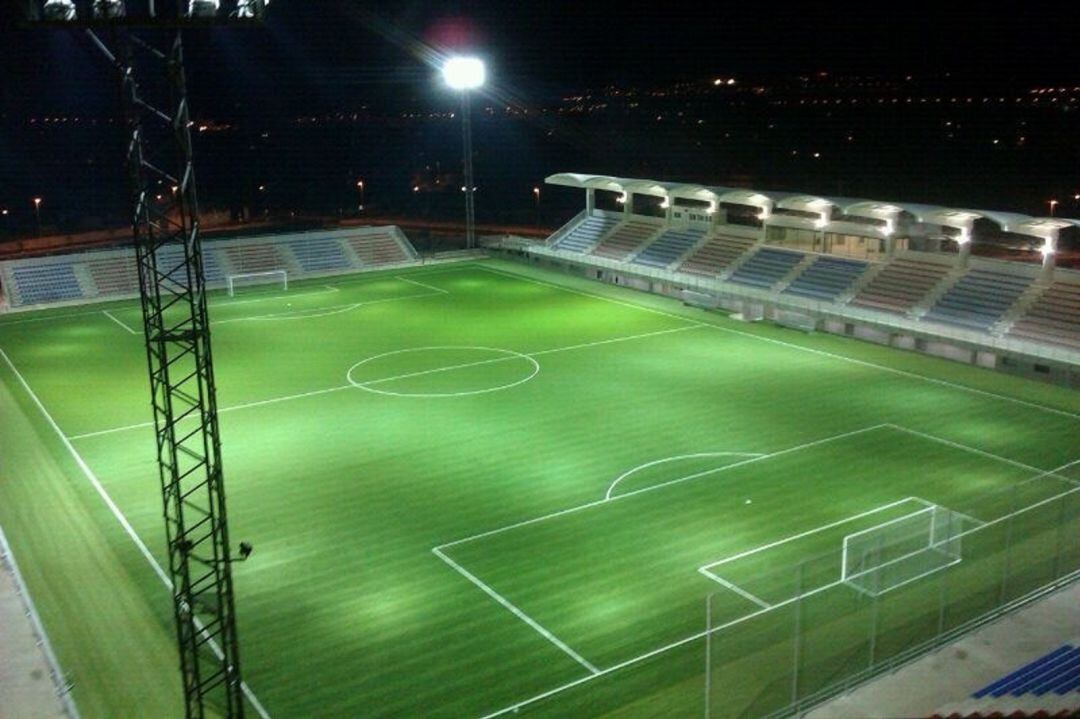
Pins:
x,y
326,58
333,51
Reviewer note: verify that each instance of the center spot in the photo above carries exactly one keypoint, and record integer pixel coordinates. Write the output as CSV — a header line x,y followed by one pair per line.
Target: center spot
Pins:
x,y
446,371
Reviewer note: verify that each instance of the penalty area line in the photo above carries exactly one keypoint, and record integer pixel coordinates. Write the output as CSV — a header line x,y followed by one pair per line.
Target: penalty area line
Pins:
x,y
735,588
112,317
515,611
124,523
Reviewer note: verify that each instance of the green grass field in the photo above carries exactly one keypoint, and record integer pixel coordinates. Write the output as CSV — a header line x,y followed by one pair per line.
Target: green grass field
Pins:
x,y
469,485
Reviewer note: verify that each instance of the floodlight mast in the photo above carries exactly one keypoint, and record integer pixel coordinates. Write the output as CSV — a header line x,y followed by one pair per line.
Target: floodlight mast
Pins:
x,y
182,388
465,74
176,330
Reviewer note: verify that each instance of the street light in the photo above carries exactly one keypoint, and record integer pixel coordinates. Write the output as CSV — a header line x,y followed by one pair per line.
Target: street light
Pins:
x,y
37,214
536,194
360,186
464,74
1053,204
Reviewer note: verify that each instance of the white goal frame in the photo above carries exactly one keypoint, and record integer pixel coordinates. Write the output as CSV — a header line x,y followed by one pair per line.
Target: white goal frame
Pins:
x,y
230,280
943,537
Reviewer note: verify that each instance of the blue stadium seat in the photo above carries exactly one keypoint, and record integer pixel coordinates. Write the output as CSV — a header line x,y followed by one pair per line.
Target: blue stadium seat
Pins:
x,y
766,267
668,247
586,234
1031,674
827,278
979,299
319,255
46,283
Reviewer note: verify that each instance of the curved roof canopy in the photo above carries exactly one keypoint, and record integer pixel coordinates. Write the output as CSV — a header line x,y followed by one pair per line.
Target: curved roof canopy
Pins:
x,y
958,218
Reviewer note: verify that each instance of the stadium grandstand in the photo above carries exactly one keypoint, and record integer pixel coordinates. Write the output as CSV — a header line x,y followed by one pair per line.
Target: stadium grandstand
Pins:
x,y
896,273
111,274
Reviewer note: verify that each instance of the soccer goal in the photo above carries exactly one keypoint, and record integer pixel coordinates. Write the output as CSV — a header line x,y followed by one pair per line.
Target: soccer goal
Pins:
x,y
247,279
902,550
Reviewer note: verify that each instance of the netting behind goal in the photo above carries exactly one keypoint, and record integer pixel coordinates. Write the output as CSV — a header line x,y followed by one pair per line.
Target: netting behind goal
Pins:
x,y
278,278
902,550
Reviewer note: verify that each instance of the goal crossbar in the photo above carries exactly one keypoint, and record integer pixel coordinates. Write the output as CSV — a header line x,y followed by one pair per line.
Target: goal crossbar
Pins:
x,y
256,278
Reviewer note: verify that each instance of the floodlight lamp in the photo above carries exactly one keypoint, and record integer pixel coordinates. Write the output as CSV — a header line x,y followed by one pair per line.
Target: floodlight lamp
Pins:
x,y
59,10
764,214
204,8
247,9
711,209
1047,248
964,237
666,203
821,222
464,73
889,228
106,9
621,199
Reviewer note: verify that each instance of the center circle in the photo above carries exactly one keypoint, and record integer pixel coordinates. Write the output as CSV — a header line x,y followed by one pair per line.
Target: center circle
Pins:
x,y
462,362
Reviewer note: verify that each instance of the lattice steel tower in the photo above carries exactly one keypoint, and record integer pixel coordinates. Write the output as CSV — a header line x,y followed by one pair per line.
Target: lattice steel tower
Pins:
x,y
165,223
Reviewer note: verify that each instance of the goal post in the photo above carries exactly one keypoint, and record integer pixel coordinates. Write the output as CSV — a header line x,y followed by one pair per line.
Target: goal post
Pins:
x,y
247,279
888,555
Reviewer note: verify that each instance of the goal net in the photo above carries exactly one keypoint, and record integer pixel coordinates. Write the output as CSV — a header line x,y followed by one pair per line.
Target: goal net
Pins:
x,y
280,278
894,553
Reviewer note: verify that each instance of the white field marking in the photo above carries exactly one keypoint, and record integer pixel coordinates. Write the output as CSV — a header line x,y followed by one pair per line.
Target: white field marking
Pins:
x,y
507,354
514,708
286,398
510,355
69,315
246,405
63,691
112,317
807,533
624,475
653,487
421,284
973,450
321,311
801,348
119,515
517,612
735,588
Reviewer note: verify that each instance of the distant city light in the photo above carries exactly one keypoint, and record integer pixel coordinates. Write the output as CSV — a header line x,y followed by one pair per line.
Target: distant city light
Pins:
x,y
464,73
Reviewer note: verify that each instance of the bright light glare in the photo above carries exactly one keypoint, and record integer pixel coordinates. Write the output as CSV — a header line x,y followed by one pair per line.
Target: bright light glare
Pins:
x,y
59,10
464,73
204,8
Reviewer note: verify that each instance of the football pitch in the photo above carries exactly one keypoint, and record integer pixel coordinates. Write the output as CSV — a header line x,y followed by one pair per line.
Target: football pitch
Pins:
x,y
479,488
